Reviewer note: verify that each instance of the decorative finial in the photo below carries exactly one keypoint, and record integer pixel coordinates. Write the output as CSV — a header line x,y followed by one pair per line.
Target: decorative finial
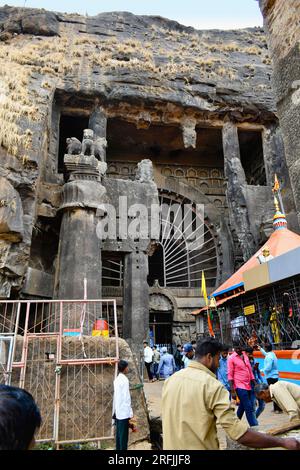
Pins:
x,y
279,220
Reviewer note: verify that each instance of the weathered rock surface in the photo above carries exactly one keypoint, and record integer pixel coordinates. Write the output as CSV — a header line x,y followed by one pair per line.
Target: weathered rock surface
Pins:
x,y
145,69
28,21
159,59
281,20
11,213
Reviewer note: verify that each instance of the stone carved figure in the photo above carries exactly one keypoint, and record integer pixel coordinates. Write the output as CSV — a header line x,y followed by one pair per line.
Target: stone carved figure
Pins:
x,y
88,142
189,133
265,255
100,145
89,146
73,146
144,172
102,167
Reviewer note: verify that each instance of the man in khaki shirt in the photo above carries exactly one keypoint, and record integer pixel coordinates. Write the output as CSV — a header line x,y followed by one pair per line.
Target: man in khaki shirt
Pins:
x,y
284,394
193,400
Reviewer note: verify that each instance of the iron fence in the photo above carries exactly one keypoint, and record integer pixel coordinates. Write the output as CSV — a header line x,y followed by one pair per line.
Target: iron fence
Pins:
x,y
275,317
52,349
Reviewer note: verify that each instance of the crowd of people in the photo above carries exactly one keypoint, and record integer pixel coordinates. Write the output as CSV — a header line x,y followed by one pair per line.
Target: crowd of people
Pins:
x,y
203,382
238,372
208,381
194,399
160,364
240,375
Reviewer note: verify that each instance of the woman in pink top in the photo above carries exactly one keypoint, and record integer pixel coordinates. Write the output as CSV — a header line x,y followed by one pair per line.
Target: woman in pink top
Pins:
x,y
240,376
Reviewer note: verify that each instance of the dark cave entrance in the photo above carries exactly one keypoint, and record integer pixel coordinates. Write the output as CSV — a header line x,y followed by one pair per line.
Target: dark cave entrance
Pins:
x,y
112,269
252,157
44,244
161,327
163,144
156,267
69,126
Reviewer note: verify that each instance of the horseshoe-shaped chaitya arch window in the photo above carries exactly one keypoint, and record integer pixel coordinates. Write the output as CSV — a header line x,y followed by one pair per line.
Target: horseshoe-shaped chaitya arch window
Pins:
x,y
186,246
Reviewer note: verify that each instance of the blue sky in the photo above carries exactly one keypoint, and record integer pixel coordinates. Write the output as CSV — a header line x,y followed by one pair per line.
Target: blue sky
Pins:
x,y
201,14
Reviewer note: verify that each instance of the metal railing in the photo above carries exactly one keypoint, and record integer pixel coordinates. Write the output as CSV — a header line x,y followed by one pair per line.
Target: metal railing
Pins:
x,y
47,348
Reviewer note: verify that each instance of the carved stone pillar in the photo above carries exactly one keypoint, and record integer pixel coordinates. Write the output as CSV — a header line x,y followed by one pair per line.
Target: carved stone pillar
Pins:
x,y
79,254
275,162
98,123
271,145
135,300
79,246
235,191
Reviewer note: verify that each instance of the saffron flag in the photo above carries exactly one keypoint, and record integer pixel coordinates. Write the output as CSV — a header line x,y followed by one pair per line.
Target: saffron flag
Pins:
x,y
203,289
204,293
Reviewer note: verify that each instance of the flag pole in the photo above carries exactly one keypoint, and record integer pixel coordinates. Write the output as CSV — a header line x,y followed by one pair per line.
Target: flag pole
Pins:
x,y
276,190
204,293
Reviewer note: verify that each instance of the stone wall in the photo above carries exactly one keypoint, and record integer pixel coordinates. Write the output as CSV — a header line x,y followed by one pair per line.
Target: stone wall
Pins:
x,y
146,71
281,19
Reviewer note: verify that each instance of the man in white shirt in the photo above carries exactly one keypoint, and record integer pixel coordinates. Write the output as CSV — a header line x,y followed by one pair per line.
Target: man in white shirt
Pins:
x,y
122,410
148,357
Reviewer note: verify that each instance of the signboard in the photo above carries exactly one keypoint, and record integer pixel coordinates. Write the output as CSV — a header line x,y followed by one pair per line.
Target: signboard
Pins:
x,y
249,309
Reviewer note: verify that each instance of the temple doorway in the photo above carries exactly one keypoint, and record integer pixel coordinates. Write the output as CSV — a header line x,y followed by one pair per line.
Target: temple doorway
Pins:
x,y
160,325
161,321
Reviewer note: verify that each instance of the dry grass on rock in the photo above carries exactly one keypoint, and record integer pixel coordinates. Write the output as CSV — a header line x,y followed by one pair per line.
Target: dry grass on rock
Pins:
x,y
31,67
